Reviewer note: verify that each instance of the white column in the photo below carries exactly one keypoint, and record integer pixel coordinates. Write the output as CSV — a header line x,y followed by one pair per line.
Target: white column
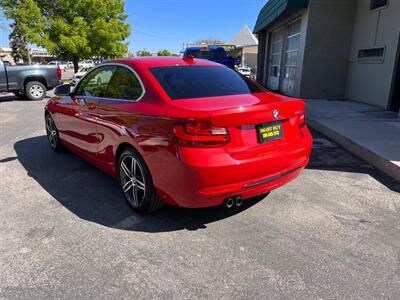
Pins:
x,y
243,57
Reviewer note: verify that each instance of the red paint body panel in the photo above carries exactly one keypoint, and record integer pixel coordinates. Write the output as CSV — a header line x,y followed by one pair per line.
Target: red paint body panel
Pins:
x,y
183,175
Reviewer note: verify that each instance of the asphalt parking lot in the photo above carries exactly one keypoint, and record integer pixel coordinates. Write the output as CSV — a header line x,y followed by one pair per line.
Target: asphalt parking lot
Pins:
x,y
66,232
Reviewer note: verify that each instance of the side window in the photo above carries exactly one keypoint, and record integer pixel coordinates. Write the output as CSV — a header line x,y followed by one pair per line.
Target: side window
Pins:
x,y
124,85
96,82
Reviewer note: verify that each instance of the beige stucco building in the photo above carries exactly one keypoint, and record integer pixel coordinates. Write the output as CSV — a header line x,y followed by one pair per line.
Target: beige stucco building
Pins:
x,y
247,44
37,55
341,49
5,55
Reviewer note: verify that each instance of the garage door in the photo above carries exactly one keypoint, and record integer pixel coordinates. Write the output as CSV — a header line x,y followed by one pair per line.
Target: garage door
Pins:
x,y
284,58
275,59
290,58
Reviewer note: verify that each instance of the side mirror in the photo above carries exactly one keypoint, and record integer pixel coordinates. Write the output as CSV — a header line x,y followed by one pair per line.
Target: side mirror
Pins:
x,y
63,90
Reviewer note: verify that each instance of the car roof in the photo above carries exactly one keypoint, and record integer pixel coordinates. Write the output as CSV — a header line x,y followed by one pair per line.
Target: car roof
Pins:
x,y
164,61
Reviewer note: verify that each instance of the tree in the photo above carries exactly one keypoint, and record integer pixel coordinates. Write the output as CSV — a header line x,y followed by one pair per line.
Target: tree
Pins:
x,y
143,53
164,53
81,29
26,16
2,26
78,29
18,43
130,54
210,41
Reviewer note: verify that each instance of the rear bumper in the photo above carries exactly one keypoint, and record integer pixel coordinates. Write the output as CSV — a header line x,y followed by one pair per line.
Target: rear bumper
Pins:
x,y
216,195
209,179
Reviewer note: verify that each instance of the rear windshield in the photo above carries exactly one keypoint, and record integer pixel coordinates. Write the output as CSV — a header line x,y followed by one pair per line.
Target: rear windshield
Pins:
x,y
183,82
198,54
211,54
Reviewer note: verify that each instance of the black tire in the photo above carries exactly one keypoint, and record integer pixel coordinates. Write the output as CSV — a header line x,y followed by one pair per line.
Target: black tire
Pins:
x,y
52,134
140,184
19,95
35,90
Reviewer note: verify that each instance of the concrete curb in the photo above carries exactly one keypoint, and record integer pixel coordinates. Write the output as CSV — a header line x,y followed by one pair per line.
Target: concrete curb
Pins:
x,y
364,153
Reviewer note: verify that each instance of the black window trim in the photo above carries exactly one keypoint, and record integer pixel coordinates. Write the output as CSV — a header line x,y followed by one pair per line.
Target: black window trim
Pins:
x,y
371,10
371,59
116,65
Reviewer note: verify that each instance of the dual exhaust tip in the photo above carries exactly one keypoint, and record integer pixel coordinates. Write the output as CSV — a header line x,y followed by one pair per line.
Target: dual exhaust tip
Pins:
x,y
233,201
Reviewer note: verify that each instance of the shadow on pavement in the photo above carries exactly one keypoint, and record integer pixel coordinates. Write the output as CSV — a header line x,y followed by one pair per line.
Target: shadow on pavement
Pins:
x,y
96,197
10,98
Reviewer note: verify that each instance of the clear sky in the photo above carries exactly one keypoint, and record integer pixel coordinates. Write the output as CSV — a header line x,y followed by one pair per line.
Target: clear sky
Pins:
x,y
167,24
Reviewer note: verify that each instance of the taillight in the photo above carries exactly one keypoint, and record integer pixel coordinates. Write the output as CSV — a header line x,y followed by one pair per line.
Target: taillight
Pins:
x,y
58,72
201,134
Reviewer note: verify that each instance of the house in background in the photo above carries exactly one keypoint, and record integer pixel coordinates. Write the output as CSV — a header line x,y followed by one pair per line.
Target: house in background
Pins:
x,y
5,55
37,55
341,49
247,43
243,45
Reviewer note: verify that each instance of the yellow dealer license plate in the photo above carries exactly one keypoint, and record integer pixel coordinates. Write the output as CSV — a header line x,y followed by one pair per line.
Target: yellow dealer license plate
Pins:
x,y
269,132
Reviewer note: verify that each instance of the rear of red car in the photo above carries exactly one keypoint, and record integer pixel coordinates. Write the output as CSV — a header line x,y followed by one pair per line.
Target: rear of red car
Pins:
x,y
250,142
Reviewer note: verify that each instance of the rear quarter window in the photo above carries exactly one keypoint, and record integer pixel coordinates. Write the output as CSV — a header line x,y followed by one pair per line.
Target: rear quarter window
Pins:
x,y
184,82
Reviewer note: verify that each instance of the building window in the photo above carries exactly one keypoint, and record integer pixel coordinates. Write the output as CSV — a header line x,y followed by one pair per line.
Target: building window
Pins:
x,y
375,4
371,55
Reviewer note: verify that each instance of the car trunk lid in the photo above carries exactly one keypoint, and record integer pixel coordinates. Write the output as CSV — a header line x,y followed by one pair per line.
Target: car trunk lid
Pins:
x,y
248,109
246,115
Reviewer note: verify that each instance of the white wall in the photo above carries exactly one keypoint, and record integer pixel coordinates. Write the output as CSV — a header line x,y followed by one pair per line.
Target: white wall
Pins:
x,y
250,56
371,82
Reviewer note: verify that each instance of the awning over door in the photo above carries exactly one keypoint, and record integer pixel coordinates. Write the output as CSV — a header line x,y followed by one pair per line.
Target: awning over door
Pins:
x,y
275,8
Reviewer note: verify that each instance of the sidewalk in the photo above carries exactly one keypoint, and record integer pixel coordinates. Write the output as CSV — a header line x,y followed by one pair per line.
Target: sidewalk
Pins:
x,y
367,131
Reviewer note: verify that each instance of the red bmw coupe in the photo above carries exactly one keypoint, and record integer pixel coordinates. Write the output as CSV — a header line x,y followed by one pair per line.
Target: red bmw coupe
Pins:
x,y
181,131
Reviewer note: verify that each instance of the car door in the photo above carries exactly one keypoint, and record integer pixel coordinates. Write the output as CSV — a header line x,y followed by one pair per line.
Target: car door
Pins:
x,y
79,118
117,108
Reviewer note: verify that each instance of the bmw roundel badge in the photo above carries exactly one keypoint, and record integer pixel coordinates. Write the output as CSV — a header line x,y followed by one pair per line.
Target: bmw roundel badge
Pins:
x,y
275,113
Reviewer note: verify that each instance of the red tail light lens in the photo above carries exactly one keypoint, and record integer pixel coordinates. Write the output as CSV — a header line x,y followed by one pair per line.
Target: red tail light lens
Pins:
x,y
201,134
59,73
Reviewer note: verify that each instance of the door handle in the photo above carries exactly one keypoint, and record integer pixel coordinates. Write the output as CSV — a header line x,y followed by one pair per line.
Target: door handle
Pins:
x,y
91,105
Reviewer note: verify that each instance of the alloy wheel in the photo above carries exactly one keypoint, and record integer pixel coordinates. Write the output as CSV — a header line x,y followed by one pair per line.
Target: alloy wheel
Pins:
x,y
132,180
51,132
